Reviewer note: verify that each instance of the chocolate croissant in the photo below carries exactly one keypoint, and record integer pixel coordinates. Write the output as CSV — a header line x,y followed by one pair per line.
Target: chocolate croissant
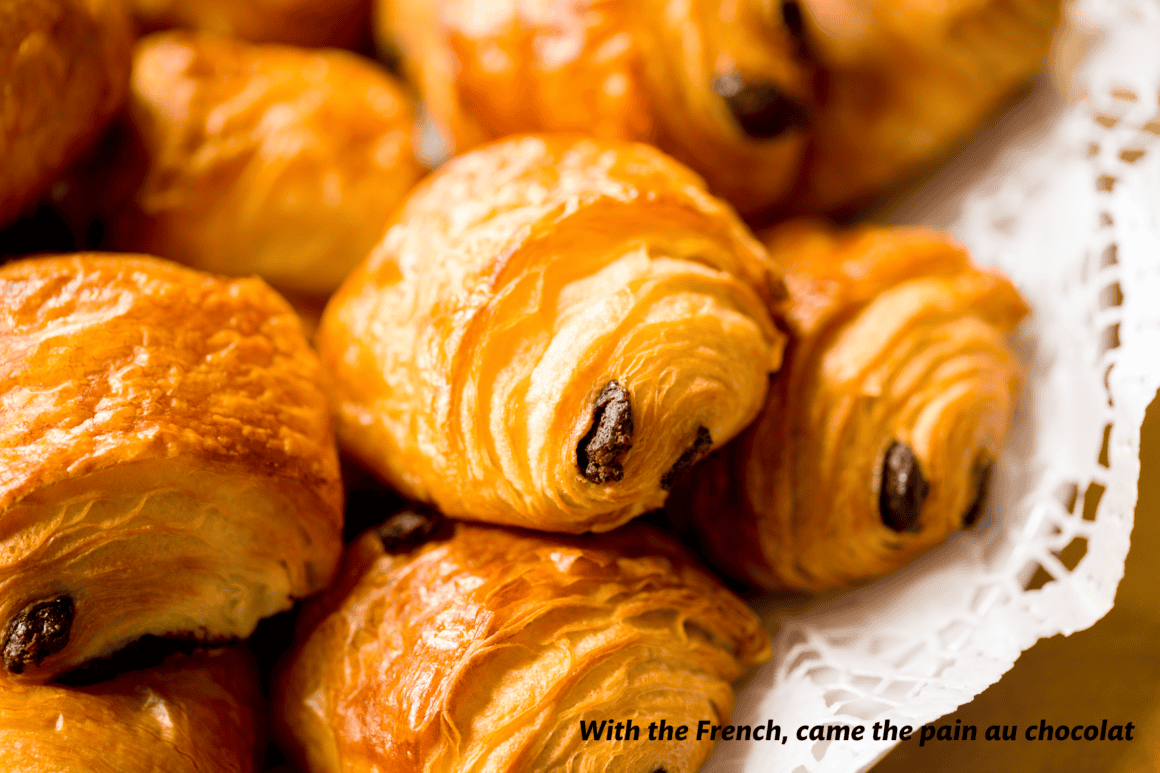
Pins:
x,y
906,81
881,430
805,105
192,714
166,459
714,83
267,160
554,330
64,67
518,651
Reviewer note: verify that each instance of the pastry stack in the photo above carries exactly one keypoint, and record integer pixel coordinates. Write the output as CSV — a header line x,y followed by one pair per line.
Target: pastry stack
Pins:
x,y
564,327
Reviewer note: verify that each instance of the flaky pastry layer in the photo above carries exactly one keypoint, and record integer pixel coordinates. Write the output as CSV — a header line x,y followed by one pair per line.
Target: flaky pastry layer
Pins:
x,y
880,433
166,459
553,330
192,714
486,649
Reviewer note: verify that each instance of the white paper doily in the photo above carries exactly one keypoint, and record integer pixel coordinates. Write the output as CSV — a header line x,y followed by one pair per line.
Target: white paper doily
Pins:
x,y
1063,195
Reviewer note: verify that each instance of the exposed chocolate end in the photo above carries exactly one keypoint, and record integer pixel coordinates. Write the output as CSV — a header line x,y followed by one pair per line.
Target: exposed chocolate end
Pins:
x,y
404,531
693,454
904,489
981,476
599,453
41,629
147,652
760,108
791,16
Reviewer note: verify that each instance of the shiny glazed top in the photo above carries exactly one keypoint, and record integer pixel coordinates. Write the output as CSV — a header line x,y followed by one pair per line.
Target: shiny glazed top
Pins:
x,y
522,287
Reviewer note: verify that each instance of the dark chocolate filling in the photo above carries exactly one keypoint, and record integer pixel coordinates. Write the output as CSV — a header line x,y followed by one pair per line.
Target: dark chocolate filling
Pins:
x,y
981,476
406,530
41,629
791,15
693,454
904,489
147,652
761,109
599,453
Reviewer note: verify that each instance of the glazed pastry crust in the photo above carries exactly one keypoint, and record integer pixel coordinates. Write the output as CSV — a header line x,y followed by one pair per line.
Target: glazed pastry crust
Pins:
x,y
65,66
190,715
340,23
486,648
894,337
469,352
166,458
267,160
622,70
906,81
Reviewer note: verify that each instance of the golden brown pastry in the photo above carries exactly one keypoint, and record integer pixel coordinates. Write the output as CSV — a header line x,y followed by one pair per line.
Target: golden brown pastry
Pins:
x,y
268,160
905,81
166,459
489,648
844,96
715,83
295,22
64,67
554,329
193,714
880,432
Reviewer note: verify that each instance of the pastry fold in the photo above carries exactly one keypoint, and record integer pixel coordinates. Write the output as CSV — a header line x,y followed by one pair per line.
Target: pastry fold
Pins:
x,y
554,329
879,434
488,649
713,82
166,459
192,714
268,160
64,68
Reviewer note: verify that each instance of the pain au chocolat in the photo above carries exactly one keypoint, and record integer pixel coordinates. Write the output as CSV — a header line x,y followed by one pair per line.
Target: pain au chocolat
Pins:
x,y
801,105
716,84
64,68
197,713
554,329
268,160
881,431
904,82
486,648
166,459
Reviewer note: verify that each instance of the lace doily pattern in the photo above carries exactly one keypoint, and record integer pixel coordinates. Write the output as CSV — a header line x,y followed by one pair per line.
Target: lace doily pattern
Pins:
x,y
1065,199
